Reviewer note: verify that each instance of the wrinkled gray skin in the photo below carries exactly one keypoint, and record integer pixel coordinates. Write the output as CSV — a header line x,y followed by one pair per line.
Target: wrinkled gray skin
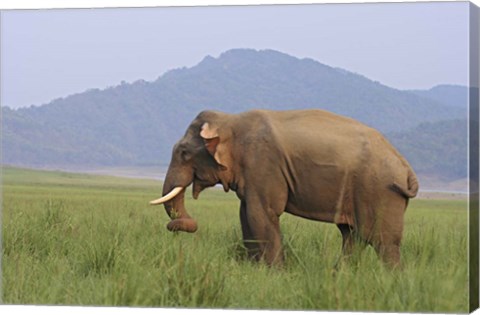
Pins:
x,y
310,163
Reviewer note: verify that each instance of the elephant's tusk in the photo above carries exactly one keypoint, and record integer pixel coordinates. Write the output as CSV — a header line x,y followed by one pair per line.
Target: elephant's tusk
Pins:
x,y
175,191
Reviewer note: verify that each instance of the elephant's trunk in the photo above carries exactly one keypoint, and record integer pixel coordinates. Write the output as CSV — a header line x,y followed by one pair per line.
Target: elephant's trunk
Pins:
x,y
174,202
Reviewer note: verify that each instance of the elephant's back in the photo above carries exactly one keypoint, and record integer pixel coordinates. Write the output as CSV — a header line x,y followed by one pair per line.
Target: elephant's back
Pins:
x,y
317,137
314,118
320,138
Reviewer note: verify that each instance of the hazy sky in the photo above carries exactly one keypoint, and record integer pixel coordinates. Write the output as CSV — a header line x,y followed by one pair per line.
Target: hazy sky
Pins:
x,y
46,54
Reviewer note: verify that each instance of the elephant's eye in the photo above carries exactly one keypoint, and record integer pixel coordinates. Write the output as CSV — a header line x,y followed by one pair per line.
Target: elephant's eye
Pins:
x,y
185,154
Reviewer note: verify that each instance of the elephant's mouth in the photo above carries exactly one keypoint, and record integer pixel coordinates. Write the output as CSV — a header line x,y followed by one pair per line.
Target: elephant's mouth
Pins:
x,y
199,185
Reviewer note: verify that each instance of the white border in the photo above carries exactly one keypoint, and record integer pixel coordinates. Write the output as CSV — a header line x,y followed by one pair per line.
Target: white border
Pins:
x,y
59,4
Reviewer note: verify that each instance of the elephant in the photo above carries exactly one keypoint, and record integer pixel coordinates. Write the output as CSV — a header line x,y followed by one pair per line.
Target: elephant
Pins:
x,y
310,163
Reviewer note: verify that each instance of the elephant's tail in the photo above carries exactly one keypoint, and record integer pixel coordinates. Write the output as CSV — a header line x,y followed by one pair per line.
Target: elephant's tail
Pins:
x,y
412,189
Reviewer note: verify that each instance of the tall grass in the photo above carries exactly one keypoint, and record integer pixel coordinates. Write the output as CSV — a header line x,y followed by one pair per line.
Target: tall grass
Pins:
x,y
91,240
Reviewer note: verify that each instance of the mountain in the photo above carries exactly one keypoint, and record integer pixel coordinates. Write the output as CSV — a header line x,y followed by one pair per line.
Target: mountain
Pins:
x,y
448,95
436,149
138,123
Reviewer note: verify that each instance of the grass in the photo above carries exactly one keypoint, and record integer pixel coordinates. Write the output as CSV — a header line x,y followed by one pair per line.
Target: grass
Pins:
x,y
77,239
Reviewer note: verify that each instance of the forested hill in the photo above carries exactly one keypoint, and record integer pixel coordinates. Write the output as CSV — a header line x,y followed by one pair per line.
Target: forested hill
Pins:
x,y
436,148
449,95
135,124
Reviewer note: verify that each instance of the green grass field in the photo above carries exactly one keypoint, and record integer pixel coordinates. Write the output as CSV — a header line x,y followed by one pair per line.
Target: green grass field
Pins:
x,y
93,240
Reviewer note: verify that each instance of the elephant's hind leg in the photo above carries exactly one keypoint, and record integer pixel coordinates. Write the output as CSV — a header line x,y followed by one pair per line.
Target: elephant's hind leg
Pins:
x,y
351,243
388,249
348,241
389,253
388,234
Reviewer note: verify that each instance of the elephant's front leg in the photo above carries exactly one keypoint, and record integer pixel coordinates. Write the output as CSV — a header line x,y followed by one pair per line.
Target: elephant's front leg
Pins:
x,y
253,249
261,232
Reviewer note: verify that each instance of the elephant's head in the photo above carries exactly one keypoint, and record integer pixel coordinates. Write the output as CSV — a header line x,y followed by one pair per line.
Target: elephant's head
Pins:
x,y
201,157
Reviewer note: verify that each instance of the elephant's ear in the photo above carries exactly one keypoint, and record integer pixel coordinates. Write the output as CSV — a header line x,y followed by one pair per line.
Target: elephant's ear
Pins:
x,y
214,146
